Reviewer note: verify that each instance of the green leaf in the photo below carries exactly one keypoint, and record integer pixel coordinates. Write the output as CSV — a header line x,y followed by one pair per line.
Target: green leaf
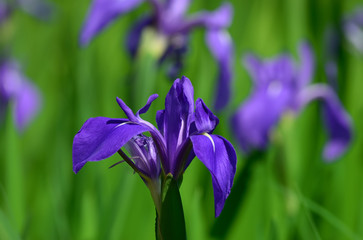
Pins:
x,y
172,224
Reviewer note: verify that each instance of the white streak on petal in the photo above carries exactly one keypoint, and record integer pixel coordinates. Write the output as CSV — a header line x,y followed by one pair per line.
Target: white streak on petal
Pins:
x,y
211,139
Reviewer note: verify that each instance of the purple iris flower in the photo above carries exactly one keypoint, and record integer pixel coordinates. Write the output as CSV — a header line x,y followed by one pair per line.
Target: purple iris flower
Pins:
x,y
353,29
16,89
281,85
169,20
185,131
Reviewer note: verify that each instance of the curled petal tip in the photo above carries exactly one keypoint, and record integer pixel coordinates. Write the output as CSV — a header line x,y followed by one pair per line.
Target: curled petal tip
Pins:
x,y
145,108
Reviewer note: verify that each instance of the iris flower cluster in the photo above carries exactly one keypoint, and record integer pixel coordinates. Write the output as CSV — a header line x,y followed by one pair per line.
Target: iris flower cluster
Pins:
x,y
280,86
184,131
184,128
170,21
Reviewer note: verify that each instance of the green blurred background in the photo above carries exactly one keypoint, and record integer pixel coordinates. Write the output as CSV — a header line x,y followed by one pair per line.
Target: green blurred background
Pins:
x,y
286,193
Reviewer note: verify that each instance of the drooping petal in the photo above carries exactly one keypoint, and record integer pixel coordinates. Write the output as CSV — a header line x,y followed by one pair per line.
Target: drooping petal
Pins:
x,y
219,156
134,35
101,137
306,70
102,13
336,119
221,46
205,120
26,104
179,106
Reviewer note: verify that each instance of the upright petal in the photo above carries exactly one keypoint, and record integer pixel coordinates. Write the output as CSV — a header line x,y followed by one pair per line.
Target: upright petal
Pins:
x,y
306,70
128,112
101,137
253,65
134,35
205,120
179,106
102,13
177,8
221,46
26,104
337,121
219,156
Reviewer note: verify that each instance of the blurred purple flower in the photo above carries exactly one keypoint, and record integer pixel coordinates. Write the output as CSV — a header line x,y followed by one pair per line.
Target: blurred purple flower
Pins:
x,y
280,86
169,19
353,29
37,8
184,132
4,11
20,92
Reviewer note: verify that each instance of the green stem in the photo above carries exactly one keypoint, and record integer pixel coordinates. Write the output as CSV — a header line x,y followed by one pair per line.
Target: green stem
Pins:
x,y
14,174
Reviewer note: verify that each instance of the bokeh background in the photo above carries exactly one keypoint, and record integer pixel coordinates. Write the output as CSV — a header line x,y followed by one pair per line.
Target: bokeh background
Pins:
x,y
287,192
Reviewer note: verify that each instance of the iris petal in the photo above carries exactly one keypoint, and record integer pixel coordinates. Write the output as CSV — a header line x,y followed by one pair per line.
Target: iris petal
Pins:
x,y
219,156
205,120
177,8
337,121
253,65
221,46
128,112
102,13
306,70
145,108
26,104
15,87
179,106
100,138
